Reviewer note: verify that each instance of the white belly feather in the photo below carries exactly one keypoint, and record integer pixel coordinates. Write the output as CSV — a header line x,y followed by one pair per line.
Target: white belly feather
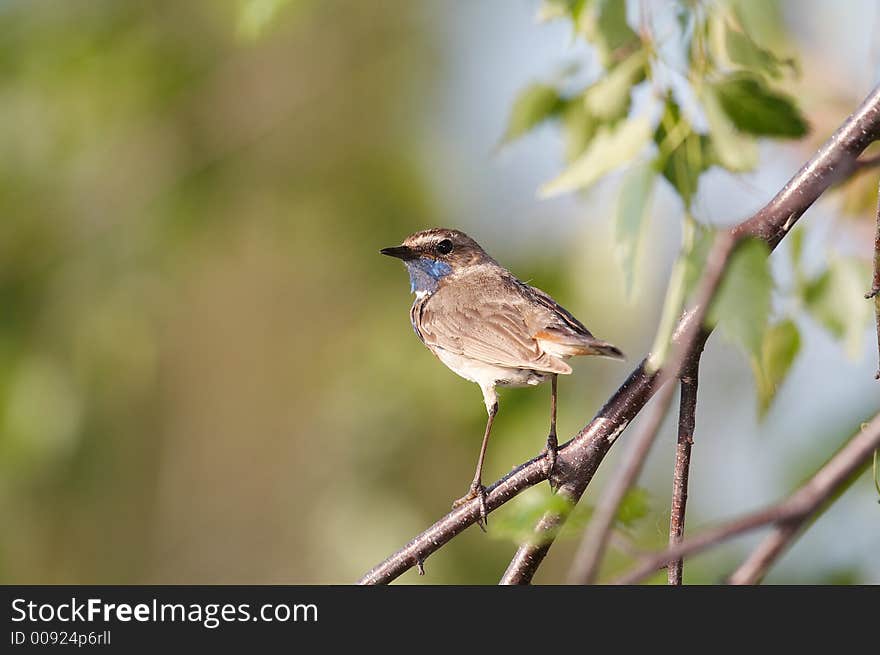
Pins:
x,y
488,374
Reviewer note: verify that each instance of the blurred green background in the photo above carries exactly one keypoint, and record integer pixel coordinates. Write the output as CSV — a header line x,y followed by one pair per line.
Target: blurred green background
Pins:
x,y
207,372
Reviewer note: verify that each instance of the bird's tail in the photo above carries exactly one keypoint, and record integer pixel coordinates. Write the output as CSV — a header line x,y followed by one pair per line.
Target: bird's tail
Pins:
x,y
603,349
566,344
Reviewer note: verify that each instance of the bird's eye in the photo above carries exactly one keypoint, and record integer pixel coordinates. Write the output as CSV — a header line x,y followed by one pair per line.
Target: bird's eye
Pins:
x,y
444,247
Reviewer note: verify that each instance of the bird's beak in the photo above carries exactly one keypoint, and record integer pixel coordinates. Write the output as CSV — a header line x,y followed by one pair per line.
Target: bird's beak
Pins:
x,y
401,252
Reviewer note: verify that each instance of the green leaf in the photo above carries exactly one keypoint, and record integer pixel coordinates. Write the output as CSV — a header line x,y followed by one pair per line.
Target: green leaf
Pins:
x,y
610,148
629,226
796,246
761,18
686,163
778,351
836,300
535,104
609,98
608,31
742,303
696,258
676,292
580,128
555,9
517,523
733,46
635,505
876,472
602,22
734,150
669,315
858,195
756,109
821,301
743,51
683,154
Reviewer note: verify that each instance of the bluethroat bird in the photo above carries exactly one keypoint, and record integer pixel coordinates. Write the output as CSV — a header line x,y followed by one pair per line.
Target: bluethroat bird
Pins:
x,y
489,327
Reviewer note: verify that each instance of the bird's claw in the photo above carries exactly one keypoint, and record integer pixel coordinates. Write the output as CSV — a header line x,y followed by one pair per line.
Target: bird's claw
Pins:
x,y
476,491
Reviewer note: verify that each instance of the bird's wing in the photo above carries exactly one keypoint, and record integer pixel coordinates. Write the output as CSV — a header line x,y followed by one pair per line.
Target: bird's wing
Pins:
x,y
495,331
560,333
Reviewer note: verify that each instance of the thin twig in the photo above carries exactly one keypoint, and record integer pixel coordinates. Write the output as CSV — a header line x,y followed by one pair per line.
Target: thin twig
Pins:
x,y
771,224
856,168
788,514
867,163
875,473
753,569
687,414
580,457
592,549
875,286
701,542
625,544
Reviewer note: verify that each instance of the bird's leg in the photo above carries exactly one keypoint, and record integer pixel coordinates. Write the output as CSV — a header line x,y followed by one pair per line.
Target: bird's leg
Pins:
x,y
477,490
552,442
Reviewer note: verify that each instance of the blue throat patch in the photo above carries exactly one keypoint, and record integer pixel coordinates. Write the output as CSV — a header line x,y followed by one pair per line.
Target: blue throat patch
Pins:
x,y
425,273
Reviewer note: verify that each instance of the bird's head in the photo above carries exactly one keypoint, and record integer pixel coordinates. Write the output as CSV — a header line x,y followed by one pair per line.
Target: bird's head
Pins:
x,y
433,254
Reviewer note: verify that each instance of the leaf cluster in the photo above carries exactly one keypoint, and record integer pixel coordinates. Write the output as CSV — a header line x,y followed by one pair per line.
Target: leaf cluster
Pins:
x,y
711,114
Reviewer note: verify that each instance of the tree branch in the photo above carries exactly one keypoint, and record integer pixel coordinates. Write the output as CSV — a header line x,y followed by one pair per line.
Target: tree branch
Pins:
x,y
752,570
833,161
590,553
687,348
867,163
789,514
856,168
687,415
583,453
580,457
875,286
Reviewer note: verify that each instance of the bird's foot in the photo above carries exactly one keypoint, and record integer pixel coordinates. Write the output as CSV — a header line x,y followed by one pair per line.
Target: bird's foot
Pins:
x,y
477,490
549,453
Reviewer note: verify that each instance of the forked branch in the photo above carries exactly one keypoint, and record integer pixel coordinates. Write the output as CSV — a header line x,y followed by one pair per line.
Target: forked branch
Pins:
x,y
685,353
789,515
875,286
581,456
833,162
